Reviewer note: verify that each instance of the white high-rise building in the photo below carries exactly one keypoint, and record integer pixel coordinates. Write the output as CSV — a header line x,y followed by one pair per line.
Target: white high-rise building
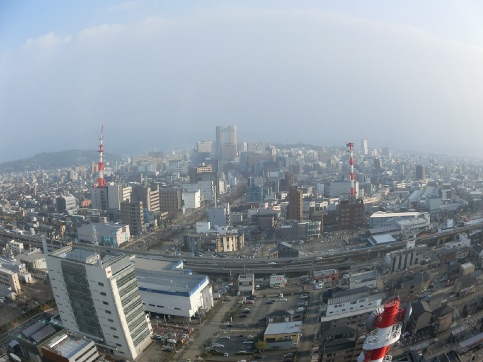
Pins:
x,y
99,298
364,147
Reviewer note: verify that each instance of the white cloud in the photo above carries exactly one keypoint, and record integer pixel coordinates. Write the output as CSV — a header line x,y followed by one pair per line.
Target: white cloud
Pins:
x,y
101,31
48,40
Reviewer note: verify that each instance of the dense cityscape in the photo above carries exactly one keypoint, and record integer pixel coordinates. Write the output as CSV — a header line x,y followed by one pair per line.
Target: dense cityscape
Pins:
x,y
241,251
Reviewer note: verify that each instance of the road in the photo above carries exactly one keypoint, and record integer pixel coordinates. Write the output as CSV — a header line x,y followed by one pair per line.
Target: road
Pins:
x,y
310,326
206,331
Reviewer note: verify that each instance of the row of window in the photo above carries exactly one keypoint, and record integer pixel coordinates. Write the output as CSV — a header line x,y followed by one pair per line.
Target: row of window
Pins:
x,y
161,306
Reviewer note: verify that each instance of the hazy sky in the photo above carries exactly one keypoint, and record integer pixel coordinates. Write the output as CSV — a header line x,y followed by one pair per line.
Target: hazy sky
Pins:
x,y
163,74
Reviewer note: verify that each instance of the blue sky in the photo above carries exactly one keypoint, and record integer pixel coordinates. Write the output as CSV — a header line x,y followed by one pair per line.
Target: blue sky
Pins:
x,y
163,74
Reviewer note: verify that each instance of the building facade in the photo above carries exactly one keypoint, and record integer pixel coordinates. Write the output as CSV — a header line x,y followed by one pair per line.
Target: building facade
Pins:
x,y
295,204
173,292
66,204
99,298
170,200
10,279
149,196
108,234
132,214
226,143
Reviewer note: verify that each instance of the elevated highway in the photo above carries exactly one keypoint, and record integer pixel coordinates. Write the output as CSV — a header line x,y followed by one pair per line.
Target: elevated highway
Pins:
x,y
204,265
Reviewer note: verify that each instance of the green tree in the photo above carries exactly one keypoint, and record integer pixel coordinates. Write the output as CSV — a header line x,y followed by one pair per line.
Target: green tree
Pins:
x,y
262,345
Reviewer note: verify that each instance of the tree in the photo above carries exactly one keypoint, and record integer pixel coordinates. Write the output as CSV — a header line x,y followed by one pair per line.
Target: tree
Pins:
x,y
262,345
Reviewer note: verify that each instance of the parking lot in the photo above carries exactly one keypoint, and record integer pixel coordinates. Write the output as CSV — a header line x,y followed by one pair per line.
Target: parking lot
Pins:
x,y
239,337
255,313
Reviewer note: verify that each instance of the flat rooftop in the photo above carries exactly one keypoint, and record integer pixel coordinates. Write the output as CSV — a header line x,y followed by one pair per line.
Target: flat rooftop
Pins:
x,y
80,255
349,314
382,214
86,256
283,328
67,346
169,282
155,264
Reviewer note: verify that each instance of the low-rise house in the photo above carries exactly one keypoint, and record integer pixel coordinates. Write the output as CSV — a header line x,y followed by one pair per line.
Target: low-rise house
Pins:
x,y
283,335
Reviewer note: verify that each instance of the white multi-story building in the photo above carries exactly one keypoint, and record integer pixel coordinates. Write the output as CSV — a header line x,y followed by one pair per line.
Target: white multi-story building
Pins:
x,y
404,258
351,300
99,298
10,279
192,200
338,188
108,233
414,221
364,147
246,283
67,204
69,349
110,196
16,247
206,188
173,292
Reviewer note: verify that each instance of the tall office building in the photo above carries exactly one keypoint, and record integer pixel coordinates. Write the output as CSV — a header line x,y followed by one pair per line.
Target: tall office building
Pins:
x,y
133,215
226,143
148,195
99,298
351,214
170,200
420,172
364,147
295,204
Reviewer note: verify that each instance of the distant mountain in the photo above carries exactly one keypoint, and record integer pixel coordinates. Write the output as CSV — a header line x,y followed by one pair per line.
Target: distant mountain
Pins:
x,y
54,160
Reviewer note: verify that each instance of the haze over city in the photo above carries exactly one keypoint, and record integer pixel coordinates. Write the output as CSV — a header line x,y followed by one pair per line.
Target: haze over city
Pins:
x,y
163,74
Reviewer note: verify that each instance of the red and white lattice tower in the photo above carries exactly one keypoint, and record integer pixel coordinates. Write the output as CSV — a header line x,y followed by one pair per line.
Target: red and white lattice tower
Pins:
x,y
387,324
100,175
350,149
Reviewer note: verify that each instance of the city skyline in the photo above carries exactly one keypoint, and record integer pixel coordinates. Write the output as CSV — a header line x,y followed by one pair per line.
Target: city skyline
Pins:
x,y
163,76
